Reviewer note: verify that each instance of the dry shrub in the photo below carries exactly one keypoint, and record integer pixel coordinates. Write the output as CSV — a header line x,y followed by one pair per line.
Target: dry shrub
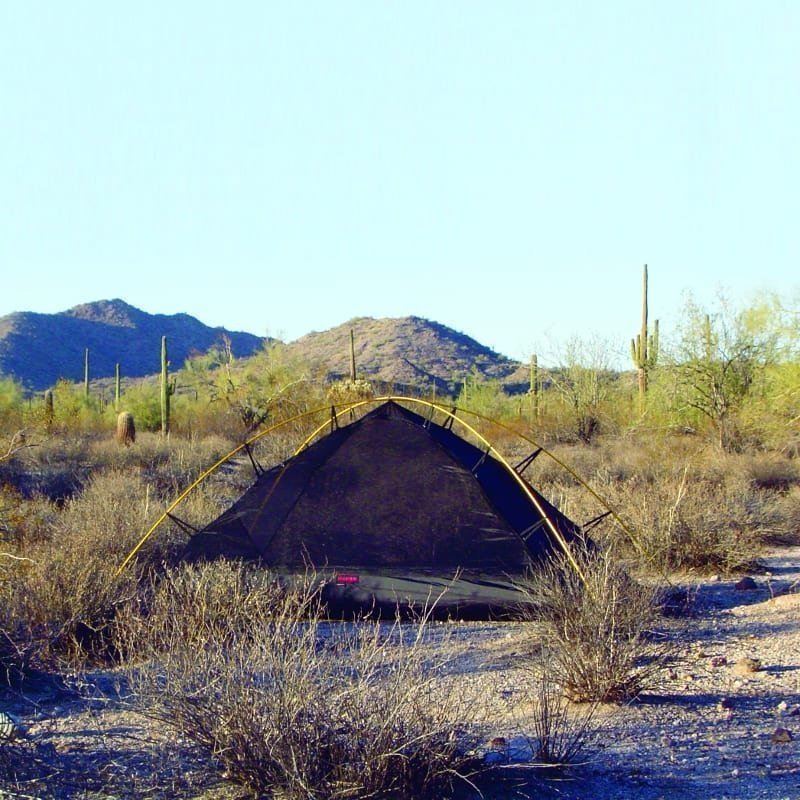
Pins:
x,y
771,471
59,594
168,465
787,528
593,628
690,520
558,732
288,705
682,507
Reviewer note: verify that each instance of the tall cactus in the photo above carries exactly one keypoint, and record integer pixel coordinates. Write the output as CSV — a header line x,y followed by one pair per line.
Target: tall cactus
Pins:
x,y
535,387
116,386
166,389
49,411
86,373
352,357
644,348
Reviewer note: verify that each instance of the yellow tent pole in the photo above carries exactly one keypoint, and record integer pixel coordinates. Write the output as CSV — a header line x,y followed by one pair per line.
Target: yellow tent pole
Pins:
x,y
517,477
213,468
347,407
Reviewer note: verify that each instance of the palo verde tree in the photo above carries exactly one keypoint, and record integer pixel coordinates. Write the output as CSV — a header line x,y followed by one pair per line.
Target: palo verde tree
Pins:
x,y
270,382
583,381
721,361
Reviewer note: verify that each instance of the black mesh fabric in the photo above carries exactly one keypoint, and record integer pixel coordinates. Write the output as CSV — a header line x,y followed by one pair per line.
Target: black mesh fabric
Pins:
x,y
390,494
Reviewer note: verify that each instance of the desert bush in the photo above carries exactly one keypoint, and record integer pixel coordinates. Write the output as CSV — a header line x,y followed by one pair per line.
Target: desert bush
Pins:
x,y
771,471
695,517
288,705
557,731
167,465
682,504
593,623
59,593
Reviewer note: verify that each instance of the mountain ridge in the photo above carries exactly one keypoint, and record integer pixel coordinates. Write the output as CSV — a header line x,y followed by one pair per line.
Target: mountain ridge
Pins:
x,y
39,349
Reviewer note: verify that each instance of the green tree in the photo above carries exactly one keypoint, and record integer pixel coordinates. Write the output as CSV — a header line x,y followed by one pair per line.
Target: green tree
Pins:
x,y
270,383
722,360
583,382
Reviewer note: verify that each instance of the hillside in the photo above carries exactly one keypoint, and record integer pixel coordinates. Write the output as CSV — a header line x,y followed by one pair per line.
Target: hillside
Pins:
x,y
405,351
39,349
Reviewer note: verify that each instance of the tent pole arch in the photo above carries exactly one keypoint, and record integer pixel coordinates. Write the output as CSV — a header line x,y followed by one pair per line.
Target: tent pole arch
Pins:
x,y
207,473
450,413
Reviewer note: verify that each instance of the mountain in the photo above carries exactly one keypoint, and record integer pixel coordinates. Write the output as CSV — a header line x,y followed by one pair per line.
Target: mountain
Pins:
x,y
39,349
406,351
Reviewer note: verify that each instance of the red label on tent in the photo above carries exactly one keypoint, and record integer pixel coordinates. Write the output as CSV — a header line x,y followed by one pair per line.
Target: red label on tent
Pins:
x,y
345,579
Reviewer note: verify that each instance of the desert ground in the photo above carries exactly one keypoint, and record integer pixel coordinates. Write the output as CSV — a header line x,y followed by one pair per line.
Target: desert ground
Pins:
x,y
722,724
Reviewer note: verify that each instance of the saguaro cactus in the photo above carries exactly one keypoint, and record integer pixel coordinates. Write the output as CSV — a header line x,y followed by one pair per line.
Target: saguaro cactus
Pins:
x,y
644,348
166,389
86,372
49,411
535,387
116,386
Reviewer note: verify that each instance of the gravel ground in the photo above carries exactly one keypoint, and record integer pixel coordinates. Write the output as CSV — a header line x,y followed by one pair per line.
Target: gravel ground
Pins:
x,y
711,732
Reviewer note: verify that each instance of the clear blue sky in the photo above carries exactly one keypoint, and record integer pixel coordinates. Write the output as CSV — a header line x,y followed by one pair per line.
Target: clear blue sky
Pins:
x,y
503,168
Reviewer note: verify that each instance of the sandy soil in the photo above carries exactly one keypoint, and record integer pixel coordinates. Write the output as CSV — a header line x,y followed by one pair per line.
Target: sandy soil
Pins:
x,y
708,733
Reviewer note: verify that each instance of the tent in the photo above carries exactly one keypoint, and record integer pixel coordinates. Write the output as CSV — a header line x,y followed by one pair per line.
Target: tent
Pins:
x,y
395,509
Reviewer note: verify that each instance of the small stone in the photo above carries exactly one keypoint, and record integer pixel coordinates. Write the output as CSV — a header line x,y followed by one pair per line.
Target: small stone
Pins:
x,y
746,584
8,727
781,736
725,703
746,665
719,661
714,578
782,706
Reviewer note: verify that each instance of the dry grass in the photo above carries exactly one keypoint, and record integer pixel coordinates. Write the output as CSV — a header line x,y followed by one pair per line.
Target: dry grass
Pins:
x,y
59,593
288,705
592,627
684,506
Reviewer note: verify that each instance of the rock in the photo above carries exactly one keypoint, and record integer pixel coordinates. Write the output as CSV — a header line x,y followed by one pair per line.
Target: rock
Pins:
x,y
719,661
498,751
746,584
781,736
714,578
782,706
747,665
8,727
725,703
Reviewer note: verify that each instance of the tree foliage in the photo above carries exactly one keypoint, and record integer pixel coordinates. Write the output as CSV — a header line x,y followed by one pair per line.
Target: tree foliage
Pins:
x,y
722,360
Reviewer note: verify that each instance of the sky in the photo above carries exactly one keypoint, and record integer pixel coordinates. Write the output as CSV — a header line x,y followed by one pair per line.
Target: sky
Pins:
x,y
502,168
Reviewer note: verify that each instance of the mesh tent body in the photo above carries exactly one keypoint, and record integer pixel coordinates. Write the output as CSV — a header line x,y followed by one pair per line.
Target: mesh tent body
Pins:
x,y
396,508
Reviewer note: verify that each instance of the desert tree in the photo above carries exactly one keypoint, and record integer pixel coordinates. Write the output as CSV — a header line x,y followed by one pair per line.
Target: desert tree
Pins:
x,y
269,383
583,381
721,360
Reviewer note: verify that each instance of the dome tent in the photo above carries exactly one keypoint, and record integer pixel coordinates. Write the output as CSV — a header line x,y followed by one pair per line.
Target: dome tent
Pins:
x,y
397,510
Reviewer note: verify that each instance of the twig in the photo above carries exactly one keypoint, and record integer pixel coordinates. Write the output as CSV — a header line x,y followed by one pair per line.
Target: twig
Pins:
x,y
19,441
